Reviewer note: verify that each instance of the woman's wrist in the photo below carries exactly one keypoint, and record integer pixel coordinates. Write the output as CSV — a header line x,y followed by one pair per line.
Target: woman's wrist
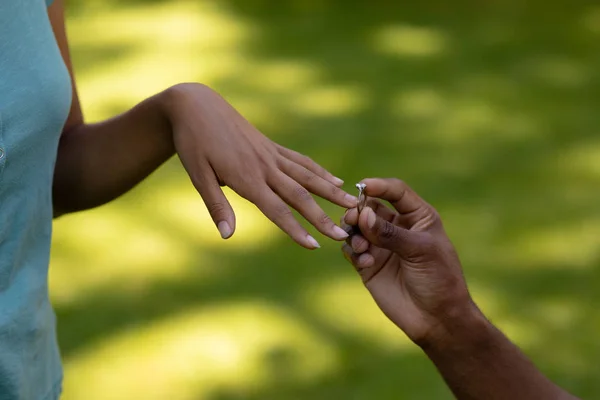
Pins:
x,y
176,99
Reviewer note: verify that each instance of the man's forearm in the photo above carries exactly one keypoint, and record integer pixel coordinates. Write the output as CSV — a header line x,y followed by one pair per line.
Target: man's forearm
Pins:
x,y
478,362
99,162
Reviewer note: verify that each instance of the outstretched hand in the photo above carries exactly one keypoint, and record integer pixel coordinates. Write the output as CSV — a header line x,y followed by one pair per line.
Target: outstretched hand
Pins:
x,y
218,146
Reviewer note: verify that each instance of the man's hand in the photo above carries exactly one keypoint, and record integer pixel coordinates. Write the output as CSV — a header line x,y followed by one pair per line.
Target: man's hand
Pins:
x,y
406,260
217,146
410,267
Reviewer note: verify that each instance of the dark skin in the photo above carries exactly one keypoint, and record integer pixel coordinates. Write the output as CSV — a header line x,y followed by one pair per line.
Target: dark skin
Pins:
x,y
411,269
97,163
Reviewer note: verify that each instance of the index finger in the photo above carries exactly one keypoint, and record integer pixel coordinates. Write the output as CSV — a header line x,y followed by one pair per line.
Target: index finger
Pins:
x,y
395,191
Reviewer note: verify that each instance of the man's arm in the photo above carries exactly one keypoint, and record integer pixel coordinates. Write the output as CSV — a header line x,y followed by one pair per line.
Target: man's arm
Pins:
x,y
478,362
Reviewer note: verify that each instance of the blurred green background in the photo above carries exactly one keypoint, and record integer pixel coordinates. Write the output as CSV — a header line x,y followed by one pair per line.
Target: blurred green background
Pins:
x,y
490,110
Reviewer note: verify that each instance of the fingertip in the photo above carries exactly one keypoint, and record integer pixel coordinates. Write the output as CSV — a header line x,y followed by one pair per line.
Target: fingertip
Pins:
x,y
351,216
225,229
359,244
366,260
312,243
351,201
337,181
339,233
367,218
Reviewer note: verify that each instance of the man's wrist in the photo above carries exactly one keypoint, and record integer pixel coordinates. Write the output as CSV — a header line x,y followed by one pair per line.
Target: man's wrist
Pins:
x,y
465,328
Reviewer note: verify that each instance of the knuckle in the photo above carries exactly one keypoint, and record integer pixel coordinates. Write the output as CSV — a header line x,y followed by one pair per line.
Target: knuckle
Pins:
x,y
308,176
280,162
324,219
335,191
431,217
307,159
435,215
398,183
387,231
302,194
282,211
216,208
266,160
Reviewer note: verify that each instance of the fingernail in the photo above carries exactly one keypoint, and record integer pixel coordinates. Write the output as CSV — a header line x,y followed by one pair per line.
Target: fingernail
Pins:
x,y
338,181
347,250
351,199
371,218
311,241
340,233
224,229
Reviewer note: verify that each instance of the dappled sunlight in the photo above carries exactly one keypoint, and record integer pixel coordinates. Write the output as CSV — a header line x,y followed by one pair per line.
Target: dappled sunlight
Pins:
x,y
591,20
280,76
346,305
556,71
190,41
465,115
330,101
583,159
238,346
469,117
419,103
98,247
492,302
102,247
410,41
571,245
558,313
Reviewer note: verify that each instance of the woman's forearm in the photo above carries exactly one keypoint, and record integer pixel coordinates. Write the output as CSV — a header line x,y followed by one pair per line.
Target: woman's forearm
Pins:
x,y
98,162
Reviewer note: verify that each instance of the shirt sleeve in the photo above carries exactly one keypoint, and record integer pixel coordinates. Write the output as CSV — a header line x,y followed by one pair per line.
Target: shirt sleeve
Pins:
x,y
48,3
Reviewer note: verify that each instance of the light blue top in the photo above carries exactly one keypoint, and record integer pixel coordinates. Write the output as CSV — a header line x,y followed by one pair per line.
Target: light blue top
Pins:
x,y
35,97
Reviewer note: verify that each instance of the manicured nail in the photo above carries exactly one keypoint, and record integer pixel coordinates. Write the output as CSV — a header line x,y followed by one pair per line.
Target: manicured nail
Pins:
x,y
311,241
371,218
351,199
337,181
224,229
340,233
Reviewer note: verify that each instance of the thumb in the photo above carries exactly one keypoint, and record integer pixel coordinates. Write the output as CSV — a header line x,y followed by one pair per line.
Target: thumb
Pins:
x,y
385,234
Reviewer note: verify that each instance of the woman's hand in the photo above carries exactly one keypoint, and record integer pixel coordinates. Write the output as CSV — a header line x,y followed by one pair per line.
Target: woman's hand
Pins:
x,y
407,262
218,147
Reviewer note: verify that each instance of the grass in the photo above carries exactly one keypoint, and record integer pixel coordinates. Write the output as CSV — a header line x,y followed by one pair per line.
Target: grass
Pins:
x,y
489,110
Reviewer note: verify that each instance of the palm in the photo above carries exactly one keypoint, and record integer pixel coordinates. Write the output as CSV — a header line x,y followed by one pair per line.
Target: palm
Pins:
x,y
390,281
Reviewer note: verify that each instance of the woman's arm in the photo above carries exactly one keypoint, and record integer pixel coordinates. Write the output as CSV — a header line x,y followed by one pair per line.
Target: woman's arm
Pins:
x,y
98,162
